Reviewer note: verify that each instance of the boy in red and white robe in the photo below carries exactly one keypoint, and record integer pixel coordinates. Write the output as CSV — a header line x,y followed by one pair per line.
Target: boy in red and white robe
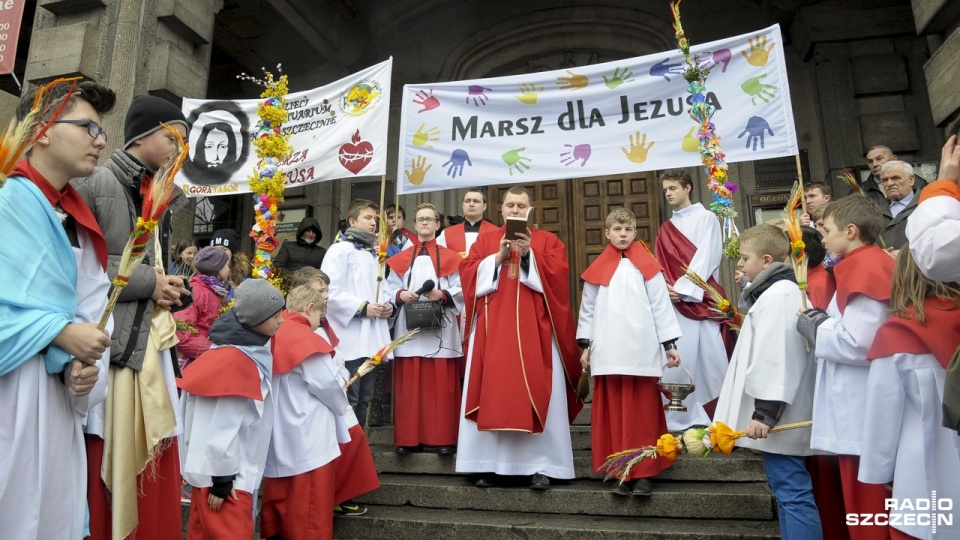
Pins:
x,y
427,383
228,412
625,318
298,490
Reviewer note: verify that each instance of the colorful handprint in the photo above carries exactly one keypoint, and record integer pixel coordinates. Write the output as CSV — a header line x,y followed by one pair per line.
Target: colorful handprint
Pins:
x,y
718,57
620,76
690,143
755,129
759,54
639,148
428,101
664,68
529,94
580,151
515,161
573,82
756,89
456,161
424,138
417,172
477,94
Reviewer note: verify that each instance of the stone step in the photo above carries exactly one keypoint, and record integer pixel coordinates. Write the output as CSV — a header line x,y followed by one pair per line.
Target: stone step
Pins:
x,y
740,466
583,419
383,436
412,523
688,500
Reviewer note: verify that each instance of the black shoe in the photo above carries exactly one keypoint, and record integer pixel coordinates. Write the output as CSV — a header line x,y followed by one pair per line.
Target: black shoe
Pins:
x,y
485,481
404,450
375,415
642,487
349,508
539,482
445,451
622,488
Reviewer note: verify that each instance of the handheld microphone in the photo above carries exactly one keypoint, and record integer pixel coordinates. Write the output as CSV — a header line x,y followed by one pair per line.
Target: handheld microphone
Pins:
x,y
427,286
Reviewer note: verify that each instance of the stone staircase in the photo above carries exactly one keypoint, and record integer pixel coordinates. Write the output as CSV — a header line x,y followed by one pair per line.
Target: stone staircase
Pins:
x,y
423,497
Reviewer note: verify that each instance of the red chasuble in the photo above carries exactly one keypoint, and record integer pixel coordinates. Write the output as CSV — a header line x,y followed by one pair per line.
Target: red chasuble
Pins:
x,y
601,271
449,259
456,235
821,286
224,371
512,364
938,335
867,270
294,342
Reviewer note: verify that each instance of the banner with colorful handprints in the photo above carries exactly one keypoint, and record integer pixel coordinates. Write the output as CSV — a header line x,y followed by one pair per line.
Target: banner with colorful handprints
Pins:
x,y
619,117
336,131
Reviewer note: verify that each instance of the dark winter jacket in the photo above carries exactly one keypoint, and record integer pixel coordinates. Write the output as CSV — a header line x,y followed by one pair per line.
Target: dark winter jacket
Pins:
x,y
294,255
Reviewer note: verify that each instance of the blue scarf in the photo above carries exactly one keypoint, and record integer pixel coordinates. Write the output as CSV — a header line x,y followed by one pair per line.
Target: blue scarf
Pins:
x,y
39,294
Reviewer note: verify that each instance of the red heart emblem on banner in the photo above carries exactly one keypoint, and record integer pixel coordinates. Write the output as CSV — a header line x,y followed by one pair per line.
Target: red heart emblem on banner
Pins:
x,y
355,155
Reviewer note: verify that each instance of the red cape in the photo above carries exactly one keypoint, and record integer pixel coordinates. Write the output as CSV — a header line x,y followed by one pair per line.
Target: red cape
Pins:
x,y
602,269
821,286
294,342
71,202
449,259
510,377
938,335
867,270
224,371
674,251
456,235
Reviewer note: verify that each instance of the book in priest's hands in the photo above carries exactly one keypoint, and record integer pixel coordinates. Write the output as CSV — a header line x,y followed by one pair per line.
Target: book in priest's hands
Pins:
x,y
515,225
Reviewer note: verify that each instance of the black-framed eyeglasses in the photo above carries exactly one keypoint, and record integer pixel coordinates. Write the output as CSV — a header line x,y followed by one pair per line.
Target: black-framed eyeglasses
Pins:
x,y
425,220
93,128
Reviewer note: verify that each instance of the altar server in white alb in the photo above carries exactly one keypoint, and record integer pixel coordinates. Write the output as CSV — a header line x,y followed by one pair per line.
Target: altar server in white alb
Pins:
x,y
427,382
933,230
692,238
904,441
359,319
53,293
299,486
771,379
625,318
228,413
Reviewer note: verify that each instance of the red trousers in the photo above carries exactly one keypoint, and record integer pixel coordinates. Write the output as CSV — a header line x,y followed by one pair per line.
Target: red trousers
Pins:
x,y
828,494
860,498
355,472
234,520
299,507
158,506
427,401
627,413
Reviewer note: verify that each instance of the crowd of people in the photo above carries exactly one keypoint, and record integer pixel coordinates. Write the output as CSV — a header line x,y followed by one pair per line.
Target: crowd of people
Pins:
x,y
210,387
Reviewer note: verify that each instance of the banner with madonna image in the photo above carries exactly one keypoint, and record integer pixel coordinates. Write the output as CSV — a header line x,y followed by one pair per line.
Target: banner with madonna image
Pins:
x,y
336,131
618,117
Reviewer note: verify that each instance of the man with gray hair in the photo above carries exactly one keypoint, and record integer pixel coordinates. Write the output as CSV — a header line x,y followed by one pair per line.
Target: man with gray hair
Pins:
x,y
898,180
872,186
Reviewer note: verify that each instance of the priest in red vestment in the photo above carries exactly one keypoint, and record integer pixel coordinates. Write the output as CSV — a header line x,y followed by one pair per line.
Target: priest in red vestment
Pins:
x,y
460,237
522,356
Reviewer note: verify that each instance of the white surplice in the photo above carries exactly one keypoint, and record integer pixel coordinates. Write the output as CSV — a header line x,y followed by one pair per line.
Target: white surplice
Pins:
x,y
347,419
904,441
933,231
511,452
43,478
627,321
353,281
701,349
445,342
840,398
771,363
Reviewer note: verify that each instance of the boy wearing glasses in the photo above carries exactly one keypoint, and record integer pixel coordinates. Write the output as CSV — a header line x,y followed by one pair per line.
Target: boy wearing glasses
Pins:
x,y
144,487
427,380
54,292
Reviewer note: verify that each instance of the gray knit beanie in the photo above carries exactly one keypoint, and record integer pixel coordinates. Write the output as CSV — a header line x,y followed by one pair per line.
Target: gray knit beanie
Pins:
x,y
256,301
210,260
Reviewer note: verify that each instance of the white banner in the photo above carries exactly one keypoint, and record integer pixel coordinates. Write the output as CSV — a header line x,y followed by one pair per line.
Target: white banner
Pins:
x,y
619,117
337,131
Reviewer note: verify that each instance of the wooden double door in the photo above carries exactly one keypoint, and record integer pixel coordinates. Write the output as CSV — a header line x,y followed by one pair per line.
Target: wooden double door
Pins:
x,y
576,211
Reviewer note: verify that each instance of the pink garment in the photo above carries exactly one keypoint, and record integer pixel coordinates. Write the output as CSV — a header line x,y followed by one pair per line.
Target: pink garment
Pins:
x,y
201,313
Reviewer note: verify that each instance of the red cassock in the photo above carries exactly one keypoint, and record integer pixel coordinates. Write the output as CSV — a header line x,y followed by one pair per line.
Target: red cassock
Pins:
x,y
511,368
674,251
455,236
